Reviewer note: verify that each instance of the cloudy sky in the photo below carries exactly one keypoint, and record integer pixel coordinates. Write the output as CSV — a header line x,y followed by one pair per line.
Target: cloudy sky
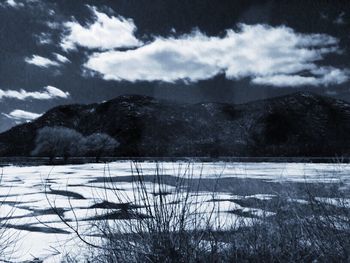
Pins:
x,y
63,51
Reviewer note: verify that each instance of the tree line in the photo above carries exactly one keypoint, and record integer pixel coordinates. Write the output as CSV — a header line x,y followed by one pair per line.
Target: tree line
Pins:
x,y
65,142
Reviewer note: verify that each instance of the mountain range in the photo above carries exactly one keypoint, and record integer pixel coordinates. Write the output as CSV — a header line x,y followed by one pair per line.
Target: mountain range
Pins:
x,y
295,125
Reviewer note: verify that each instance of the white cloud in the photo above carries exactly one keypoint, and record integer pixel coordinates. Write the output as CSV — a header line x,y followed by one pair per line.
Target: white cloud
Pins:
x,y
267,55
47,93
53,25
56,93
323,76
61,58
12,3
17,3
285,80
41,61
21,115
106,32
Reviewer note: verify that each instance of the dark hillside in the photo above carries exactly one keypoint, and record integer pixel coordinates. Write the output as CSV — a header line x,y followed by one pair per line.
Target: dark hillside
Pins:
x,y
301,124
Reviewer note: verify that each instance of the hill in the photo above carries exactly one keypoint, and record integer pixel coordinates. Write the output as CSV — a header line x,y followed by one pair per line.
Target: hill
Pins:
x,y
300,124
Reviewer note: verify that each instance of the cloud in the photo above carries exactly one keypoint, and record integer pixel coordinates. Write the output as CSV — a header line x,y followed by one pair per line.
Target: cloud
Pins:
x,y
48,93
12,3
61,58
56,93
17,3
107,32
276,56
42,62
21,115
44,38
326,77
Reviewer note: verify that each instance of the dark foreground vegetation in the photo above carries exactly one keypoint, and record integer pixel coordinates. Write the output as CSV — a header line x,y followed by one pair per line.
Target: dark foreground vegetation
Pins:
x,y
304,223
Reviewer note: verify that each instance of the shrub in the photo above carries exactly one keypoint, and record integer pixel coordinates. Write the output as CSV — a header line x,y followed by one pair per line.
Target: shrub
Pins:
x,y
64,142
58,141
100,144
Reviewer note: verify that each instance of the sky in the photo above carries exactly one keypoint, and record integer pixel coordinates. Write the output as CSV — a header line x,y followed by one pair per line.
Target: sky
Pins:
x,y
55,52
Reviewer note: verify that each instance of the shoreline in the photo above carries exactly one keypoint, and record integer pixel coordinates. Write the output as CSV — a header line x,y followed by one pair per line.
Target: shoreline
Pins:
x,y
22,161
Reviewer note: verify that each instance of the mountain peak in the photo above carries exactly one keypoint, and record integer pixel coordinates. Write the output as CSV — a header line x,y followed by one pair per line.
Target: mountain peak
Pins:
x,y
133,98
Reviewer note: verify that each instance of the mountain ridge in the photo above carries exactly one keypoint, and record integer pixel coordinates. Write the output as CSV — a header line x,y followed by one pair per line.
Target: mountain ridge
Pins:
x,y
299,124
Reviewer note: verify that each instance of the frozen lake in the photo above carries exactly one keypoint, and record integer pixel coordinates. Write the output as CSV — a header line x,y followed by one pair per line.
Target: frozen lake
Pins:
x,y
29,193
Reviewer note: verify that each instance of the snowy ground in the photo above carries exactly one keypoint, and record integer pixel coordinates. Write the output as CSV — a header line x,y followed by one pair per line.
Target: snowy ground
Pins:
x,y
29,193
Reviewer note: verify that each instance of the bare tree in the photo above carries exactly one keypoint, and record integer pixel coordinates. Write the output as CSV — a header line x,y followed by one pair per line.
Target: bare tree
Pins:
x,y
100,144
58,141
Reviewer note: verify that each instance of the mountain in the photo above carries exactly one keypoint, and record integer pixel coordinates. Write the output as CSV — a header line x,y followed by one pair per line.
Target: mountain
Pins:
x,y
300,124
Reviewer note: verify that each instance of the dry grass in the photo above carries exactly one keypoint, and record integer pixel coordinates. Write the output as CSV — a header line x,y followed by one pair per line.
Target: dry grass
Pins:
x,y
157,226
